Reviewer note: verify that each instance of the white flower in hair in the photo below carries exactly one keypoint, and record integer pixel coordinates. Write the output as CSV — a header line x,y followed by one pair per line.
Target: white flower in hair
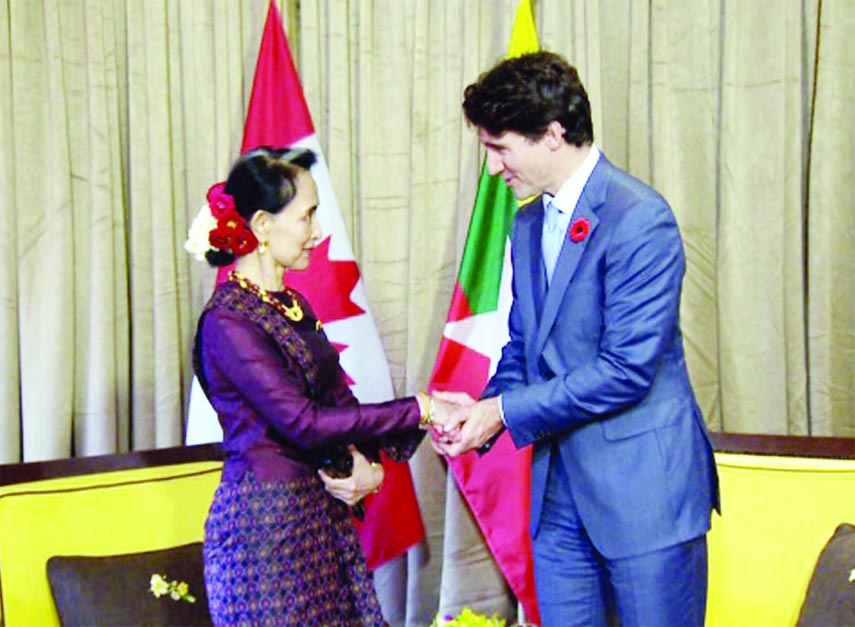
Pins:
x,y
197,243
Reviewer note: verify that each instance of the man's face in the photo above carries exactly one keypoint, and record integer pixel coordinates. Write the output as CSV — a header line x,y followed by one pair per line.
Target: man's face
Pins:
x,y
523,164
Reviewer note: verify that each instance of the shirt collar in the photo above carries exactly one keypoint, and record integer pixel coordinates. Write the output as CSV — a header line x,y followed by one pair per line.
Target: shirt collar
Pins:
x,y
570,192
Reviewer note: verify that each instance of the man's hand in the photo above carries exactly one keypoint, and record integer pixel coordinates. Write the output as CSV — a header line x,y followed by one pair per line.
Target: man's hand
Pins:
x,y
457,398
476,424
365,479
454,410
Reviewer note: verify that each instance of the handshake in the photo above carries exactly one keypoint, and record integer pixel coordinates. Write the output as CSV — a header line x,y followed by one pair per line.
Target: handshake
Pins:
x,y
459,424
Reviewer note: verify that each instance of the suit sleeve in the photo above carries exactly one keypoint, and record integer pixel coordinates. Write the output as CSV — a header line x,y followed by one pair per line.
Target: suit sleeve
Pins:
x,y
259,375
644,267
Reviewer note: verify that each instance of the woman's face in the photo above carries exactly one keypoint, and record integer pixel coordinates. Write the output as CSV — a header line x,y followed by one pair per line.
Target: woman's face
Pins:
x,y
295,230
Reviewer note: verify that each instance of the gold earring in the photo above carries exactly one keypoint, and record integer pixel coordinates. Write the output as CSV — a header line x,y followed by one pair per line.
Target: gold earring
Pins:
x,y
262,246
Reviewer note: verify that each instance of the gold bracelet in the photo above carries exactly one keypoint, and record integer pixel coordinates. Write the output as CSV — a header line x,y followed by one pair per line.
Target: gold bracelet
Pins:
x,y
426,419
373,466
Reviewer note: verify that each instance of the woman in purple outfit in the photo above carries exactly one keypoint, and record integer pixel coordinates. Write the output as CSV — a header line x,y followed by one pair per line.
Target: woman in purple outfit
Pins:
x,y
280,546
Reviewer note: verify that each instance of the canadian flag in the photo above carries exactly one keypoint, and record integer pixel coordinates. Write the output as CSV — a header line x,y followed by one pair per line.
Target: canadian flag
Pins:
x,y
278,116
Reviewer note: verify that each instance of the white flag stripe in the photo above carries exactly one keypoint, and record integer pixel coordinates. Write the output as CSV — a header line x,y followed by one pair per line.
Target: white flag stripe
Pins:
x,y
202,423
487,333
364,358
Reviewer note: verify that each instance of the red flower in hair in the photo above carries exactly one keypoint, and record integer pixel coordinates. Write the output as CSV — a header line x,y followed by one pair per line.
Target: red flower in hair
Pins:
x,y
219,238
231,221
232,233
579,230
219,201
243,242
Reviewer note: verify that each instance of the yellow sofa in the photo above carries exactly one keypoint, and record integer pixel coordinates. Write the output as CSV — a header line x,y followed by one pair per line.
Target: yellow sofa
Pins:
x,y
781,504
779,509
109,505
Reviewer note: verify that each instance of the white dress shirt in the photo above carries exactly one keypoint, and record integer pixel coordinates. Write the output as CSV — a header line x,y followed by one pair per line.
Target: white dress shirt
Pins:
x,y
559,210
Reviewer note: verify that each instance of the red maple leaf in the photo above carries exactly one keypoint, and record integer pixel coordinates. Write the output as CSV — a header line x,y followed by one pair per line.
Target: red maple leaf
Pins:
x,y
327,285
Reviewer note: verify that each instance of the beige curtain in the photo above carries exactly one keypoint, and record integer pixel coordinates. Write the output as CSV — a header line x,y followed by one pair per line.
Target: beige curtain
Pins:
x,y
116,115
829,223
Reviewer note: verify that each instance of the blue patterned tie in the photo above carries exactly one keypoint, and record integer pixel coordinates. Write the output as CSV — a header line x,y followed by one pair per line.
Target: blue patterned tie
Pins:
x,y
552,240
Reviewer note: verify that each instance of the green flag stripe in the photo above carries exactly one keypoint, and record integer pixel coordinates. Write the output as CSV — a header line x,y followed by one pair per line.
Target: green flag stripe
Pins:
x,y
492,217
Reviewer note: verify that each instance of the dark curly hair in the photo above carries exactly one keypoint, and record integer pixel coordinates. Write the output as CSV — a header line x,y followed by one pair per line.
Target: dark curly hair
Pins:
x,y
263,178
526,93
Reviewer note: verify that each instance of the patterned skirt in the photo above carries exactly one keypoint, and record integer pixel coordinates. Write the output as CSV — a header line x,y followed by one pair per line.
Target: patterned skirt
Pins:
x,y
284,553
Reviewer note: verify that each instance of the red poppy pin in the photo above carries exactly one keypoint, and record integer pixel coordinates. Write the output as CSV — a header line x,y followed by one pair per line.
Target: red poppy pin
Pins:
x,y
579,230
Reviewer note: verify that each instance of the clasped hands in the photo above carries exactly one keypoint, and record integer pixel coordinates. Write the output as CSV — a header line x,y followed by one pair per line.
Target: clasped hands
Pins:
x,y
458,424
365,478
461,424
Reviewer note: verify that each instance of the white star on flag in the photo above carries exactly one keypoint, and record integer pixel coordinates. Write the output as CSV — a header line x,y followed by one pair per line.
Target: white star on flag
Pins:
x,y
487,333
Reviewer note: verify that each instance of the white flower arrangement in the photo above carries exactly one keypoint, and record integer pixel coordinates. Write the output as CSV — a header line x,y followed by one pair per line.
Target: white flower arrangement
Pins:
x,y
177,590
468,618
198,237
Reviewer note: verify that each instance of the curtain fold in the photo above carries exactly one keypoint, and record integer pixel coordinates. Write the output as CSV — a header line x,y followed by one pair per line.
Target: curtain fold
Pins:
x,y
676,145
116,116
100,411
43,206
759,286
155,236
830,228
10,373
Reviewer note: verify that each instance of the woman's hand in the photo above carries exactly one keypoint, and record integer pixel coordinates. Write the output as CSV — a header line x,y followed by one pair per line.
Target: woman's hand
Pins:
x,y
451,409
365,479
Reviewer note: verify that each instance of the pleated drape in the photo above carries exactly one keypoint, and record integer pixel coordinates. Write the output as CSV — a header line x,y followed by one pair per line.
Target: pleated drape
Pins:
x,y
829,227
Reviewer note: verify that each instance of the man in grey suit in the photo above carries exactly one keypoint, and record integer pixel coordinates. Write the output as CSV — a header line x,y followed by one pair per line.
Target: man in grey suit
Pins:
x,y
593,377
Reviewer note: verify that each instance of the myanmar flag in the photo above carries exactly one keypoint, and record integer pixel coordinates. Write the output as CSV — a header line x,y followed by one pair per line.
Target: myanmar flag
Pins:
x,y
496,485
278,116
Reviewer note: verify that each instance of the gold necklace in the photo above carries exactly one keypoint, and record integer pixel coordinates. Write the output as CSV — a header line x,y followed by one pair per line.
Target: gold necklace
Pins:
x,y
294,312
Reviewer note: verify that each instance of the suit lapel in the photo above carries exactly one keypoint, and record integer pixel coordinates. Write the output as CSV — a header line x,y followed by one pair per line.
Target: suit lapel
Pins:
x,y
593,196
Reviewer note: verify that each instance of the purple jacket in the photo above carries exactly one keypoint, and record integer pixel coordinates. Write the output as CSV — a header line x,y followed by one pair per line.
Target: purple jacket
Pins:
x,y
281,395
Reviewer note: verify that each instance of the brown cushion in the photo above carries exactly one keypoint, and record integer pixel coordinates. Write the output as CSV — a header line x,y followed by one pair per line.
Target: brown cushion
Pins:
x,y
830,599
114,590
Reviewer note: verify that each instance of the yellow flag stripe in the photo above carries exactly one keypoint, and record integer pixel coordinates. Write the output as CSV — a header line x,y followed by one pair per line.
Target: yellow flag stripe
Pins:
x,y
523,34
523,41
